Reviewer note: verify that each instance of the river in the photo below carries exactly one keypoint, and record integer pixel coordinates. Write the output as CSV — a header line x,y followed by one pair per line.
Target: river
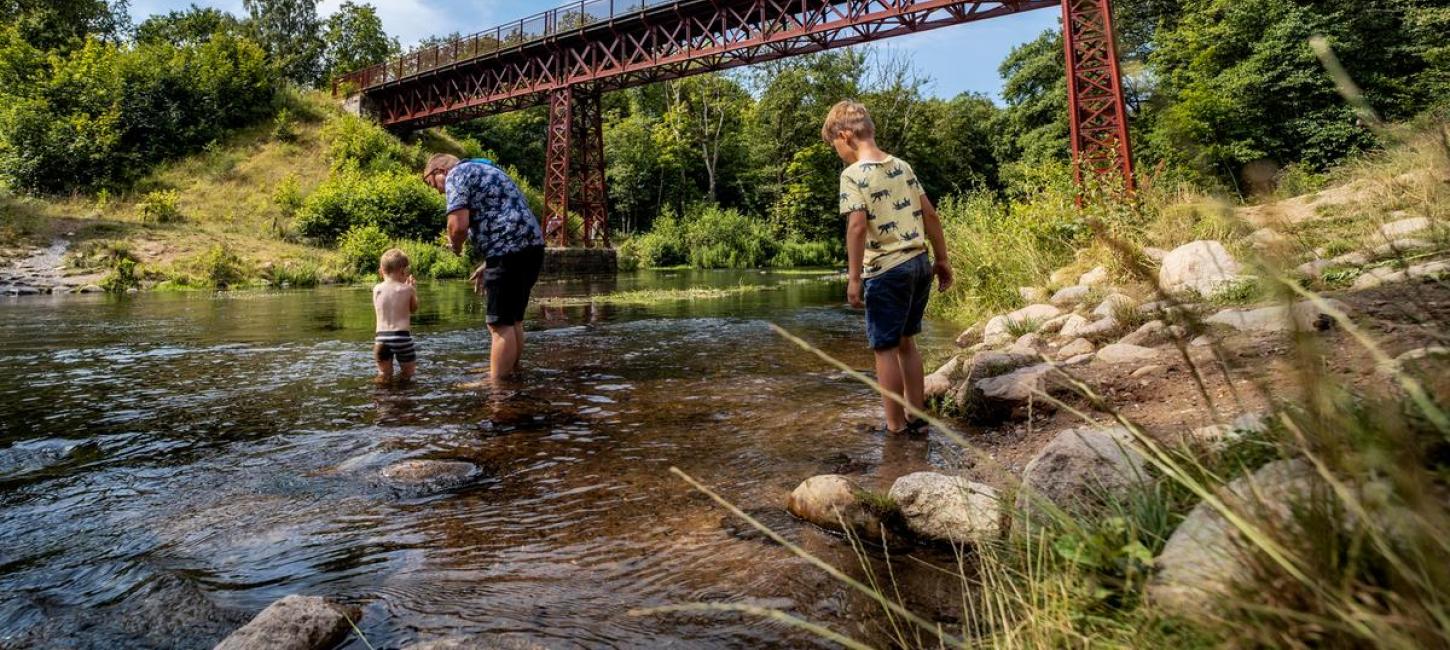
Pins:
x,y
172,463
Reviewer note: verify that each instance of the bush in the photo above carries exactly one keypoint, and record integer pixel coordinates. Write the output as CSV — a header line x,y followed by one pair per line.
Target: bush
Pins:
x,y
219,267
357,143
284,128
102,113
398,203
361,248
160,206
796,253
432,260
294,273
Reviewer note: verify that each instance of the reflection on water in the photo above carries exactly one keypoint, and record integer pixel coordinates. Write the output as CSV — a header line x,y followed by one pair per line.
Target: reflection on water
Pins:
x,y
170,464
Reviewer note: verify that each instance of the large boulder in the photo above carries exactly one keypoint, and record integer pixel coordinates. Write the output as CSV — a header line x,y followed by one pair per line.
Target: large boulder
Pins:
x,y
1075,348
1203,266
1206,557
292,623
1404,227
1069,296
1304,315
1124,353
947,508
1080,469
1017,386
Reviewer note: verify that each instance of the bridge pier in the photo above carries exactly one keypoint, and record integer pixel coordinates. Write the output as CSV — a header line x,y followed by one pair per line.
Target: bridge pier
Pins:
x,y
574,169
1097,114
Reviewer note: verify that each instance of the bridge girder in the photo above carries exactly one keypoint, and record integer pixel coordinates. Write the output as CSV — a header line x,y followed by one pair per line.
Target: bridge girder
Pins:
x,y
486,74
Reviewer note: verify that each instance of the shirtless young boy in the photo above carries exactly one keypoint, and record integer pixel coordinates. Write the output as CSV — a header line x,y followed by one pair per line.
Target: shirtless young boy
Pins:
x,y
394,301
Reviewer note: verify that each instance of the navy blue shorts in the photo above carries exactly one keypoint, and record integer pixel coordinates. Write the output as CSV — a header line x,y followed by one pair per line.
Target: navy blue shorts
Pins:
x,y
896,301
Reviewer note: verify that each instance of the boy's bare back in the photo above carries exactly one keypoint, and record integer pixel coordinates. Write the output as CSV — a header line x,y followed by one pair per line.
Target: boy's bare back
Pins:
x,y
393,303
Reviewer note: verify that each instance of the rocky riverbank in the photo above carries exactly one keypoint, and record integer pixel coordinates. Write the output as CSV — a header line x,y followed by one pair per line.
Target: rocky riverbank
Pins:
x,y
42,270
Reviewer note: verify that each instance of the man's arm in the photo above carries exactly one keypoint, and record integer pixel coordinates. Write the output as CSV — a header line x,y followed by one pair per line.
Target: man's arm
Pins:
x,y
458,229
856,226
938,238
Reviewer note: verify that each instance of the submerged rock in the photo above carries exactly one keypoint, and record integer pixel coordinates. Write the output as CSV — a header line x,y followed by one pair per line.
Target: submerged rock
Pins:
x,y
1203,266
488,642
437,473
824,500
293,623
1080,469
1206,558
947,508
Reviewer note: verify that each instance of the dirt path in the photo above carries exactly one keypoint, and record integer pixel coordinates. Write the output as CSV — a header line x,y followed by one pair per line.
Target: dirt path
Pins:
x,y
42,270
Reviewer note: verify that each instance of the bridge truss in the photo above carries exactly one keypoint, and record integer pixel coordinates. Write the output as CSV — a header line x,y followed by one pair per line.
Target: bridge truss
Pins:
x,y
565,58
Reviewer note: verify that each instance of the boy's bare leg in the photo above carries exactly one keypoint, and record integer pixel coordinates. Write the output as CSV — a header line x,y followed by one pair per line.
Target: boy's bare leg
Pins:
x,y
504,353
888,374
385,368
913,377
408,369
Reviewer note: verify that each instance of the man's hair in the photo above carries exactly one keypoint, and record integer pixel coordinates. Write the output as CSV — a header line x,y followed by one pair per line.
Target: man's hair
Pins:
x,y
439,162
394,260
848,117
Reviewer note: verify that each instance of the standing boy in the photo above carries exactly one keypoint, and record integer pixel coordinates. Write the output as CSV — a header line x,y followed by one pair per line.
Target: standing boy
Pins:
x,y
394,301
486,206
890,220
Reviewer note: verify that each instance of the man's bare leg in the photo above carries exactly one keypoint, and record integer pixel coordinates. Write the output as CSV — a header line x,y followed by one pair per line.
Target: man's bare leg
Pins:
x,y
504,353
888,374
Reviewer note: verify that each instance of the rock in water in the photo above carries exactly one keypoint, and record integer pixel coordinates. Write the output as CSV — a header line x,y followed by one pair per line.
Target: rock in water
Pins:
x,y
824,500
1203,266
1124,353
292,623
1205,557
1081,468
437,473
947,508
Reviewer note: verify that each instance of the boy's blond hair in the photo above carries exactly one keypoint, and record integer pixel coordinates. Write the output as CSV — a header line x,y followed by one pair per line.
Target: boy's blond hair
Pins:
x,y
393,261
848,117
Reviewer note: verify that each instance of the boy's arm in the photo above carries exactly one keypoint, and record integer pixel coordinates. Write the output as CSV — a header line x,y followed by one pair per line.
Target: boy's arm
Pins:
x,y
458,229
856,226
942,266
412,297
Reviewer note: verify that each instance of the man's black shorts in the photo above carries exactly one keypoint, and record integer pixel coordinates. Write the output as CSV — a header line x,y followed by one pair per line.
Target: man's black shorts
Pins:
x,y
509,279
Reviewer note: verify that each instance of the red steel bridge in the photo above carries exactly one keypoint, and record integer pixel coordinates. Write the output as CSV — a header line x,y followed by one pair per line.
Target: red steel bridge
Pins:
x,y
564,58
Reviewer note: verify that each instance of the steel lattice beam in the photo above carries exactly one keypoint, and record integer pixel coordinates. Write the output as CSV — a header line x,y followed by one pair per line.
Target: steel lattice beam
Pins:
x,y
1098,116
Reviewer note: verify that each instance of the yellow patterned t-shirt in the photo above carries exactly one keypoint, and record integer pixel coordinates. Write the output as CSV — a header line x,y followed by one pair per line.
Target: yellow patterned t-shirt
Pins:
x,y
891,196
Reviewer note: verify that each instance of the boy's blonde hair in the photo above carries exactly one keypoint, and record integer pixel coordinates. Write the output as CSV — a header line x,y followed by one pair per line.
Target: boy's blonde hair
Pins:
x,y
394,260
848,117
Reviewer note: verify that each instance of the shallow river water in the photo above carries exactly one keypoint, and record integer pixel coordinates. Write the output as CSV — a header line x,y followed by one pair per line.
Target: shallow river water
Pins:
x,y
170,464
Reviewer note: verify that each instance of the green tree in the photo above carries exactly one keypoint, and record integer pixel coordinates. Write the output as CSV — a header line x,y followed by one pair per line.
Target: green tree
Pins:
x,y
704,119
289,31
191,26
64,24
354,38
1241,83
1033,127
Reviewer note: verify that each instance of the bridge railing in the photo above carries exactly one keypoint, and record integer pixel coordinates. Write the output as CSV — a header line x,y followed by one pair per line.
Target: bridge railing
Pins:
x,y
562,19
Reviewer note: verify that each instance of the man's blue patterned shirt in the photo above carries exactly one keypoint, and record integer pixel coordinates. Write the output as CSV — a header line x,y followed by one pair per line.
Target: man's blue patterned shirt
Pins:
x,y
500,221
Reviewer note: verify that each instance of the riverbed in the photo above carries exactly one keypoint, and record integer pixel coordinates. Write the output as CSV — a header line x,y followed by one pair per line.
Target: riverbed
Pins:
x,y
172,463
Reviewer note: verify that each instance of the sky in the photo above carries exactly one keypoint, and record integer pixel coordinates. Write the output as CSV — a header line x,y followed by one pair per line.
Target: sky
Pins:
x,y
962,58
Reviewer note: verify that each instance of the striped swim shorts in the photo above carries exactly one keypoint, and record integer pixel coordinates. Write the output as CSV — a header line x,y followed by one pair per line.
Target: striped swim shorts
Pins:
x,y
390,345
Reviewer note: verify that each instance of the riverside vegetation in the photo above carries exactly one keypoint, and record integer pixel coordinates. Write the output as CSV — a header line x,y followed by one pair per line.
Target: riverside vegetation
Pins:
x,y
1211,413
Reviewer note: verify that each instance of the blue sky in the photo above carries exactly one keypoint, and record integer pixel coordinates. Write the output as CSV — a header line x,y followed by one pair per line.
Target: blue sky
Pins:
x,y
960,58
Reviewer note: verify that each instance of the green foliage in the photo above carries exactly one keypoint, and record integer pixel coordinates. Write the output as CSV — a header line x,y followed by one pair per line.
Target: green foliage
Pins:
x,y
794,253
357,143
288,196
354,38
63,24
362,246
123,276
160,206
187,27
294,274
432,260
290,32
103,113
219,267
398,203
284,128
